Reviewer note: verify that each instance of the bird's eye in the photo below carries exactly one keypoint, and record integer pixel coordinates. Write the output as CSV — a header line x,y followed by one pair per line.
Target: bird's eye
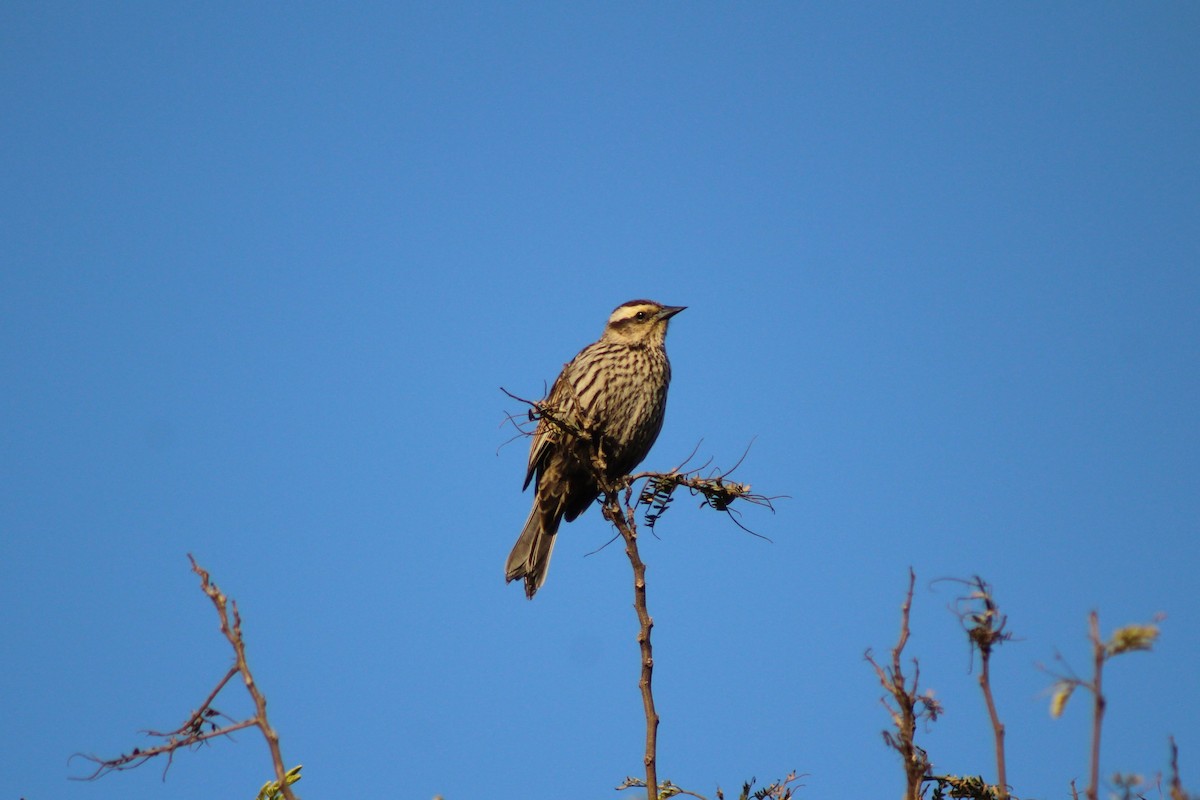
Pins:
x,y
641,316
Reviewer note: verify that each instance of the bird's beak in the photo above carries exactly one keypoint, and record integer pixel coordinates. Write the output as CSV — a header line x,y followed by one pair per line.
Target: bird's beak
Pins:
x,y
669,311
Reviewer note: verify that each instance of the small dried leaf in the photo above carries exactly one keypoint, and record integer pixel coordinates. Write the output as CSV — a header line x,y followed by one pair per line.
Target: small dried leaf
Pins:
x,y
1058,702
1132,637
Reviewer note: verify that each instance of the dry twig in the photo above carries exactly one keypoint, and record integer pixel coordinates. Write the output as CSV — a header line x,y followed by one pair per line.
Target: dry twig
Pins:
x,y
906,706
1176,785
624,522
201,725
981,618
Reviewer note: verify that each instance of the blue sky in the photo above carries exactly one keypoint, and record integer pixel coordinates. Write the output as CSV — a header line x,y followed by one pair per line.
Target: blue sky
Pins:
x,y
266,268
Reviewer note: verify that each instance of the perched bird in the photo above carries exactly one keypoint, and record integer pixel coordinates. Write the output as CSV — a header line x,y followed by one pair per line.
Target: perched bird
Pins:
x,y
616,391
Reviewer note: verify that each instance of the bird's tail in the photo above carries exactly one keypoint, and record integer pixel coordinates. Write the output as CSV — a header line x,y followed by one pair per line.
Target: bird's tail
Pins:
x,y
530,556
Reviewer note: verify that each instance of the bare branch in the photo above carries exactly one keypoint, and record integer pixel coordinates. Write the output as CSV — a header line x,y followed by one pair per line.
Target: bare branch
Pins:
x,y
1177,792
193,731
1098,704
623,519
137,756
906,706
233,632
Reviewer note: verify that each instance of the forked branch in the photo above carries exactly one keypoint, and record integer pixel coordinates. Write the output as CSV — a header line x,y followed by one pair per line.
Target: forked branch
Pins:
x,y
206,721
905,706
1129,639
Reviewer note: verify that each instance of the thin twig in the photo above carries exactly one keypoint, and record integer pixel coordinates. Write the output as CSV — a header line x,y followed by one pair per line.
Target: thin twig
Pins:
x,y
905,711
624,521
233,632
1098,703
985,626
1177,792
137,756
985,684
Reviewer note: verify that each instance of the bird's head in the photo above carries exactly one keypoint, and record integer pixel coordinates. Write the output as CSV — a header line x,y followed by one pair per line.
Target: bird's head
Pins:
x,y
641,322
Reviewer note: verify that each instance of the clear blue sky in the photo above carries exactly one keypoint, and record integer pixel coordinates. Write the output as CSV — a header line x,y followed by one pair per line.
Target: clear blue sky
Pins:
x,y
266,267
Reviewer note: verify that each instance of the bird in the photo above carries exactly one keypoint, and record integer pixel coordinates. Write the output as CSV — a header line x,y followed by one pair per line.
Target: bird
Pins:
x,y
615,390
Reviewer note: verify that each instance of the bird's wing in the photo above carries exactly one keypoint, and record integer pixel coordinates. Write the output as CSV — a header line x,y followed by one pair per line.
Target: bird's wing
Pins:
x,y
564,403
542,446
547,436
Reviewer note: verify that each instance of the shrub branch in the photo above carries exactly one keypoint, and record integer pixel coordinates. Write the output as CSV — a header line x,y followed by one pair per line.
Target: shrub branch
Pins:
x,y
1131,638
985,626
203,723
619,509
905,705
